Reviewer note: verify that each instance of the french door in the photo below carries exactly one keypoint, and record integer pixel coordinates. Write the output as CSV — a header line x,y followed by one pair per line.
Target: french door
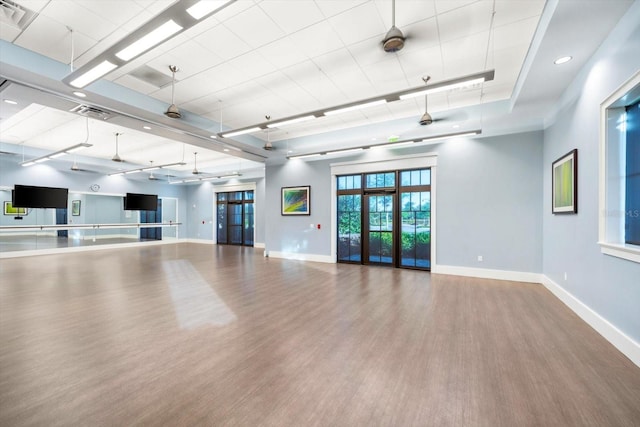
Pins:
x,y
235,218
384,218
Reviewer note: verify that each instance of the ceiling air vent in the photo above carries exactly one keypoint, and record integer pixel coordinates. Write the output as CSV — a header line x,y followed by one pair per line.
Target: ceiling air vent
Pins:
x,y
151,76
92,112
15,15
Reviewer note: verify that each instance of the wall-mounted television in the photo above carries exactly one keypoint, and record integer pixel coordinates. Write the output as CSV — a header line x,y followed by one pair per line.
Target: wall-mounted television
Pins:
x,y
29,196
140,202
9,209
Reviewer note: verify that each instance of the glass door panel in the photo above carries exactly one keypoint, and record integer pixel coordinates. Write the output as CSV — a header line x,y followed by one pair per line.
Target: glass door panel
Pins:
x,y
222,223
349,227
415,242
234,218
248,224
380,229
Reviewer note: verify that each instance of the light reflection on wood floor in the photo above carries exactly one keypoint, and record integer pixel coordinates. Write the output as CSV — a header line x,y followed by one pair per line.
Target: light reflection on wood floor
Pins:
x,y
191,334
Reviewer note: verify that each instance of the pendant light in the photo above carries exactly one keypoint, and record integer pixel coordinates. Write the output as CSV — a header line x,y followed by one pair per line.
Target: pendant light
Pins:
x,y
394,39
173,111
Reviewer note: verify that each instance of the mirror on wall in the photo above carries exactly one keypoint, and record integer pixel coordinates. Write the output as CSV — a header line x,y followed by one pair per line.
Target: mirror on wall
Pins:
x,y
103,215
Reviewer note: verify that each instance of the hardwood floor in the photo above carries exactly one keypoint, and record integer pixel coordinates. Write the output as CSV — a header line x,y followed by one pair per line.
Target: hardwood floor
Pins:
x,y
191,334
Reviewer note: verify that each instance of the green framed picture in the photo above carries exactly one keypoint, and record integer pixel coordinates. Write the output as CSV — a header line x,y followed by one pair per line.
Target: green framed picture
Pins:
x,y
296,200
565,184
9,209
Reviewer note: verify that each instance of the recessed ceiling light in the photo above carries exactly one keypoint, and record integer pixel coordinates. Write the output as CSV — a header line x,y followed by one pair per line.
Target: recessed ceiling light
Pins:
x,y
226,150
10,101
80,94
213,137
563,60
146,127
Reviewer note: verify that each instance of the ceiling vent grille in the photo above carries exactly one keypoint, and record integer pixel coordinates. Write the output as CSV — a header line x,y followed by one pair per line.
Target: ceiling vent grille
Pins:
x,y
15,15
92,112
151,76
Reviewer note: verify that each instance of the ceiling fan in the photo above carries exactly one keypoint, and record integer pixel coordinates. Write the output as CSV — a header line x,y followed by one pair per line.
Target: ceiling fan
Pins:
x,y
426,118
116,157
173,111
268,145
195,170
394,39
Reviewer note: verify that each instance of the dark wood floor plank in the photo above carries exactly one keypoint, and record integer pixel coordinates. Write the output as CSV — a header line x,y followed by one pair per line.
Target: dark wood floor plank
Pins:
x,y
209,335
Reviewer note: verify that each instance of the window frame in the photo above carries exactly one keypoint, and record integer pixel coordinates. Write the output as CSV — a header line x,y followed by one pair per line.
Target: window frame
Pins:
x,y
611,187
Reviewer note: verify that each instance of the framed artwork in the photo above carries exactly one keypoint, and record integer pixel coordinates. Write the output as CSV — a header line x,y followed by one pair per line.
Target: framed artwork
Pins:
x,y
564,177
75,207
10,210
296,200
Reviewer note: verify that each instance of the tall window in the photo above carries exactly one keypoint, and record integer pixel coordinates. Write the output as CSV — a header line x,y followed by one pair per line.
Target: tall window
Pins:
x,y
235,218
632,180
619,225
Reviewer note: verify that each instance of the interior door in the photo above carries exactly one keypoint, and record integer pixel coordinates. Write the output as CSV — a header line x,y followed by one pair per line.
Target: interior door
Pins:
x,y
379,229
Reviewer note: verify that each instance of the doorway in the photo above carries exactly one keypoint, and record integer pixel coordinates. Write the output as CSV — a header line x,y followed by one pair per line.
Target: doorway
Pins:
x,y
235,218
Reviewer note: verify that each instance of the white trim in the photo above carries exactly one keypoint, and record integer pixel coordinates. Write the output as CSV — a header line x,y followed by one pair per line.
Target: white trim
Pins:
x,y
259,245
65,250
484,273
247,186
628,252
627,345
427,160
200,241
301,257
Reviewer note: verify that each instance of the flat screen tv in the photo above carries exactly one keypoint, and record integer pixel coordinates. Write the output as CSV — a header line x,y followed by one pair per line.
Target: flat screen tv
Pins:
x,y
140,202
29,196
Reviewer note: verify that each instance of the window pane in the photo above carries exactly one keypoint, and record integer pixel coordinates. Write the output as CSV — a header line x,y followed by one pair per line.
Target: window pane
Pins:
x,y
342,183
425,177
632,181
405,178
222,197
248,195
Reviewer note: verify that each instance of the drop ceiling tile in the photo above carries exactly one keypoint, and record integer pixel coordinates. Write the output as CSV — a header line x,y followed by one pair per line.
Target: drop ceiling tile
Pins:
x,y
35,5
407,12
420,35
337,62
472,48
57,44
9,33
292,16
509,11
317,39
221,41
111,10
386,76
443,6
252,65
135,84
369,23
507,63
234,9
422,63
514,34
155,6
333,7
191,58
354,83
80,19
283,53
464,98
254,27
368,52
465,21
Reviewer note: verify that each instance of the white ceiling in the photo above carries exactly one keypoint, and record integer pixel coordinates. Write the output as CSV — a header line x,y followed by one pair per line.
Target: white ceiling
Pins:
x,y
282,58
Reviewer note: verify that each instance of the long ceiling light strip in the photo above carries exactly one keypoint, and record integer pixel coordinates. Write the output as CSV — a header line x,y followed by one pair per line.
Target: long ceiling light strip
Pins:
x,y
208,178
146,169
397,144
57,154
151,39
451,84
177,18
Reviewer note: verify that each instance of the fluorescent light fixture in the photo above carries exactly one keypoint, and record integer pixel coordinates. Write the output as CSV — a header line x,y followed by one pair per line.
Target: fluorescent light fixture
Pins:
x,y
290,121
205,7
442,88
392,145
346,150
213,137
57,154
93,74
305,156
355,107
147,168
146,127
10,101
563,60
151,39
401,143
240,132
80,94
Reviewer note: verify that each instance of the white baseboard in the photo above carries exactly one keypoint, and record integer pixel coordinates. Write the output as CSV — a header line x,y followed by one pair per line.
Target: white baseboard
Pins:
x,y
200,241
106,236
484,273
302,257
627,345
258,245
